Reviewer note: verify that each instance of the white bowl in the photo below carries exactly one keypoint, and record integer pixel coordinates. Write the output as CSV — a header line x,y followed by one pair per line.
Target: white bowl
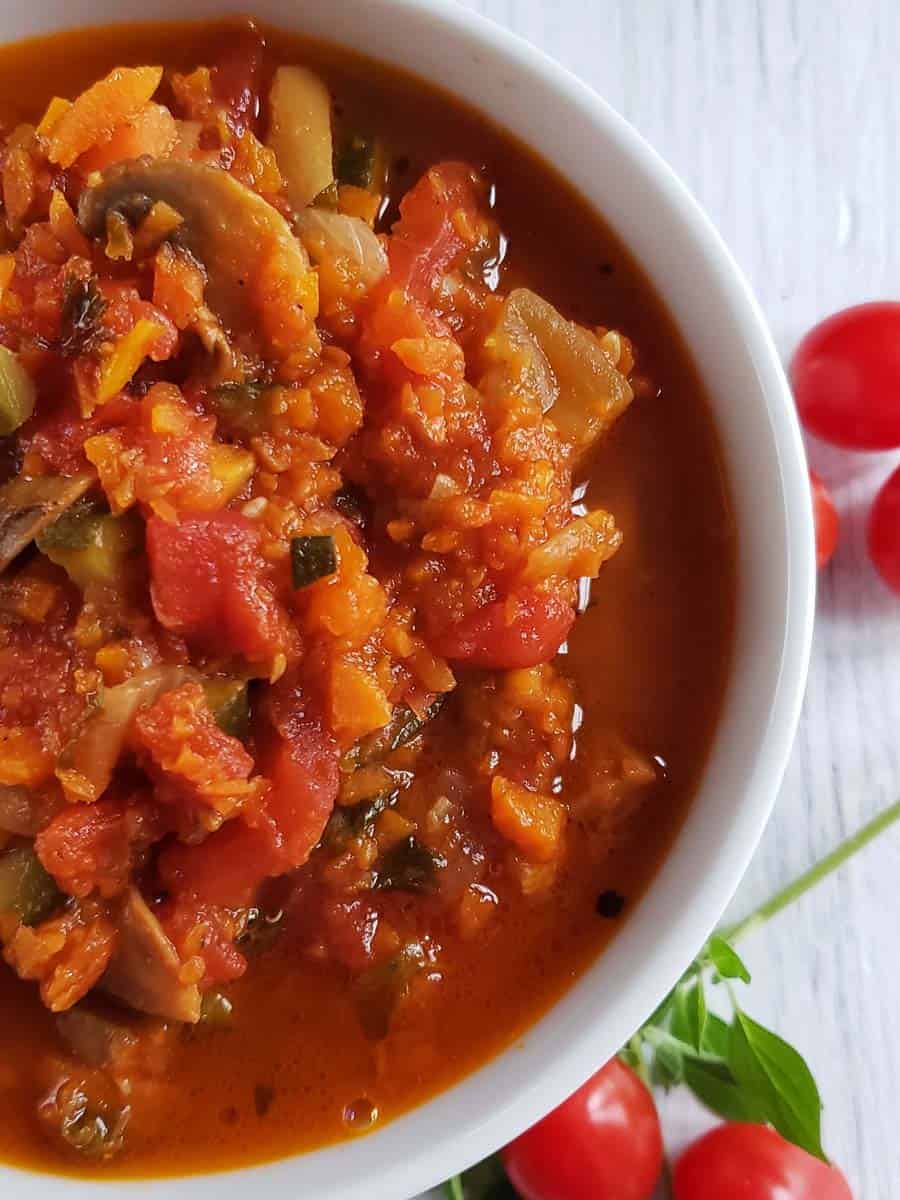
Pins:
x,y
658,220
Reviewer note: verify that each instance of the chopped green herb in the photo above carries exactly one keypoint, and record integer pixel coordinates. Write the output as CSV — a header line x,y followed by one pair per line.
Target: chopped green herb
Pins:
x,y
312,558
409,867
356,820
83,307
357,162
381,988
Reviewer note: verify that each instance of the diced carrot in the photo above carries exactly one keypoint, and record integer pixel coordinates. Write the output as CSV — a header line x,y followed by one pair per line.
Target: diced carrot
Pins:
x,y
99,110
23,760
152,131
52,115
126,356
178,285
357,702
19,185
65,226
358,202
7,270
533,822
160,221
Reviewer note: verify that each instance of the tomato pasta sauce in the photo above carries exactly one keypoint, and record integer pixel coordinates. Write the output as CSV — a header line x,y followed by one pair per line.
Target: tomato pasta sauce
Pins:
x,y
366,604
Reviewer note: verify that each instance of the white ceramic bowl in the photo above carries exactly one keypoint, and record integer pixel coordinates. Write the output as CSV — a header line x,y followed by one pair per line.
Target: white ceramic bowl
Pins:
x,y
690,267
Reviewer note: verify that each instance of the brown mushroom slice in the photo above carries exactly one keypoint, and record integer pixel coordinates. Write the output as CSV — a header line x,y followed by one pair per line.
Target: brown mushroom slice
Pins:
x,y
28,506
144,972
226,226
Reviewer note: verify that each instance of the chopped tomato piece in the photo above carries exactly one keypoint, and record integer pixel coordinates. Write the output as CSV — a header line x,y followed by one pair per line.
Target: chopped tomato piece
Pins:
x,y
203,931
435,226
227,867
300,760
198,765
94,846
208,582
521,631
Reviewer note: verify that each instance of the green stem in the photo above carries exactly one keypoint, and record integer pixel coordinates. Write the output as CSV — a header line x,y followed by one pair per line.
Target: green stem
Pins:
x,y
814,875
640,1067
454,1188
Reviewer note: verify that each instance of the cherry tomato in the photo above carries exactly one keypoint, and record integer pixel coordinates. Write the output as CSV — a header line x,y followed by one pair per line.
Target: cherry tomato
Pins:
x,y
753,1162
603,1143
826,518
884,532
846,377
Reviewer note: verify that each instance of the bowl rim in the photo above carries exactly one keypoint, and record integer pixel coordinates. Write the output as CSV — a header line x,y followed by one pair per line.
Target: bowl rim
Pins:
x,y
405,1157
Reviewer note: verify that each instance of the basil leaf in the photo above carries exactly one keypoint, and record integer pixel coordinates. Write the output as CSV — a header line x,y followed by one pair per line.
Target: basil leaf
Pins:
x,y
773,1072
726,960
716,1037
409,867
715,1087
689,1013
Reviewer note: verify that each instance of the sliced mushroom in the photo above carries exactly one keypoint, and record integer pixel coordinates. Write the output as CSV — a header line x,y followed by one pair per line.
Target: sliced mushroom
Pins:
x,y
28,506
226,226
144,972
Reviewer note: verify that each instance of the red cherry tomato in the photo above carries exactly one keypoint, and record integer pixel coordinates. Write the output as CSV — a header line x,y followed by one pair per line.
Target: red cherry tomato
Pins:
x,y
753,1162
826,518
884,532
846,377
603,1143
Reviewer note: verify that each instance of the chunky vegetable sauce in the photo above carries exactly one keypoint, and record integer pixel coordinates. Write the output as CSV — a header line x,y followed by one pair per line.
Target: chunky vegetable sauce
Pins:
x,y
366,595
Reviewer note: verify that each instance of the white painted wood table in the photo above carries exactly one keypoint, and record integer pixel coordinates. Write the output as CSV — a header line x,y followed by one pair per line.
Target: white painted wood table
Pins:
x,y
783,117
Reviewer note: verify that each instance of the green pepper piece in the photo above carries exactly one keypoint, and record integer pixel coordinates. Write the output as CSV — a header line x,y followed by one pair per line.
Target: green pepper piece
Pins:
x,y
312,558
229,700
357,162
25,887
17,393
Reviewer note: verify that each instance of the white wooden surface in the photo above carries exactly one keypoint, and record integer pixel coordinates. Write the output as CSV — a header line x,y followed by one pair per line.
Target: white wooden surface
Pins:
x,y
783,117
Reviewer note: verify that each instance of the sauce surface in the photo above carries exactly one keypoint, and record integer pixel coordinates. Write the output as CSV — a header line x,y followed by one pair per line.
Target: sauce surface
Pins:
x,y
649,659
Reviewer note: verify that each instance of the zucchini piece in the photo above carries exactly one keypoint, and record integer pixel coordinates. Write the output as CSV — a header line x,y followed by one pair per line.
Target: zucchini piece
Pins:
x,y
229,700
91,545
312,558
25,887
17,393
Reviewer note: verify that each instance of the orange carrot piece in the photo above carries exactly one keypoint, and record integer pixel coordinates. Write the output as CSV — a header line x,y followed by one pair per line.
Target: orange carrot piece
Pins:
x,y
152,131
98,110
